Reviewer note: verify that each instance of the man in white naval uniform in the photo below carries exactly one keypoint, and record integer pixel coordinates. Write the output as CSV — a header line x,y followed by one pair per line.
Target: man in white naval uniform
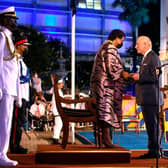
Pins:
x,y
9,81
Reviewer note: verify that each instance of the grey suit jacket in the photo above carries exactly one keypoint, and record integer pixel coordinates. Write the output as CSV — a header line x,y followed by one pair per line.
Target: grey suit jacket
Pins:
x,y
148,87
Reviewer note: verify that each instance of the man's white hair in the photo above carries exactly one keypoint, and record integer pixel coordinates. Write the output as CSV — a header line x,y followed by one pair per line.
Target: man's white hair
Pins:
x,y
146,40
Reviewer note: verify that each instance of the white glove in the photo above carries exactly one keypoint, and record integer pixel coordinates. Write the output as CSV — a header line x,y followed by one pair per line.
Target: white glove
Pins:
x,y
19,103
1,94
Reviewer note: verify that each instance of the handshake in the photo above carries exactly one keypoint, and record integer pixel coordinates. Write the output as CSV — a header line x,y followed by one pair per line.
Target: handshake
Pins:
x,y
130,76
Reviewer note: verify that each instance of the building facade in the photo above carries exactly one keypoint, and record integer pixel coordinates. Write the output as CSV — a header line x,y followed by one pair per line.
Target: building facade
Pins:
x,y
94,20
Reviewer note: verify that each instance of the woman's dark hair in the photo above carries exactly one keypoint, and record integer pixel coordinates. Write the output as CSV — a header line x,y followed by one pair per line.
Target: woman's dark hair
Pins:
x,y
116,33
1,20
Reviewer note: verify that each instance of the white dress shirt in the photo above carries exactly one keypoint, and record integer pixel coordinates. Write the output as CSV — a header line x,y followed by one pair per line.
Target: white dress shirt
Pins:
x,y
37,110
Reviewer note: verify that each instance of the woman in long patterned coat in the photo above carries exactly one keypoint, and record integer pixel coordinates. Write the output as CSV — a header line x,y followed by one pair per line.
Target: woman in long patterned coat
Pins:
x,y
107,80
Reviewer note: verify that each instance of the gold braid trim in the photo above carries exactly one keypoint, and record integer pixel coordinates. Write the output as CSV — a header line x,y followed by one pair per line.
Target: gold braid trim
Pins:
x,y
109,41
12,54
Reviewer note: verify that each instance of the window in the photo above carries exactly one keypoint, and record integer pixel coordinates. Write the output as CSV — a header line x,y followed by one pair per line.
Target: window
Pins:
x,y
90,4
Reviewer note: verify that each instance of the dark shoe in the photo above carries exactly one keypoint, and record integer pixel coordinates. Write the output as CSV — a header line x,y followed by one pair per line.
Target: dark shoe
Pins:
x,y
148,155
109,145
55,141
19,150
107,141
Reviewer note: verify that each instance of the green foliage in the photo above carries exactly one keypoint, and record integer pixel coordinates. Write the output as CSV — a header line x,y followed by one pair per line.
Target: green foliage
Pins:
x,y
43,53
39,52
136,12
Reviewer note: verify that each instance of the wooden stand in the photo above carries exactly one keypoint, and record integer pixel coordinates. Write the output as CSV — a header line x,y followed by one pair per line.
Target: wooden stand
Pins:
x,y
81,154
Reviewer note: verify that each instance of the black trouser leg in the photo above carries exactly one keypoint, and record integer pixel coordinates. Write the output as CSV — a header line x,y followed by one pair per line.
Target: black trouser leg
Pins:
x,y
17,124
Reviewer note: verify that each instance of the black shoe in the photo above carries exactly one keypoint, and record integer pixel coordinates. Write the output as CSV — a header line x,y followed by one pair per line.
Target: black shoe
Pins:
x,y
55,141
109,146
19,150
148,155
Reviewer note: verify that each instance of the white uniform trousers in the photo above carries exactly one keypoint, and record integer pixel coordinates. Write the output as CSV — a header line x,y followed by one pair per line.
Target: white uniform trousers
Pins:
x,y
6,112
57,127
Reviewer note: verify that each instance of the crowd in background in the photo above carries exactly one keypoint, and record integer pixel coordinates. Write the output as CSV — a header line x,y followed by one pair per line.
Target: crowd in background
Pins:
x,y
42,111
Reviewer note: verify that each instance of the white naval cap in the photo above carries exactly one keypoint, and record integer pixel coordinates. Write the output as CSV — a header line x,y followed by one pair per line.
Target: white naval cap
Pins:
x,y
9,12
60,81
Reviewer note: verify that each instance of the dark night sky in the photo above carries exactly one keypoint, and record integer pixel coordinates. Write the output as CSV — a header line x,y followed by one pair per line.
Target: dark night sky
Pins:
x,y
152,29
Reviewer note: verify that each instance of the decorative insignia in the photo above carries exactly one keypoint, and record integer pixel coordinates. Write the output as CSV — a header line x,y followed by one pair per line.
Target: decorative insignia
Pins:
x,y
12,53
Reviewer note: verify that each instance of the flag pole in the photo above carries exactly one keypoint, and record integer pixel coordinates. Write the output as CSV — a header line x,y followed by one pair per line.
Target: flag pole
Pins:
x,y
73,6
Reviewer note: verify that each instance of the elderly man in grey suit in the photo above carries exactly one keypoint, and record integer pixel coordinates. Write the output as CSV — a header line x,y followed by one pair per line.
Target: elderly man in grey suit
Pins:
x,y
149,95
9,81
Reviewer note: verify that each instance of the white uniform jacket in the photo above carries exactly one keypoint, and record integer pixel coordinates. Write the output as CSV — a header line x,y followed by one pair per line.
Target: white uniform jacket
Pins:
x,y
9,69
24,86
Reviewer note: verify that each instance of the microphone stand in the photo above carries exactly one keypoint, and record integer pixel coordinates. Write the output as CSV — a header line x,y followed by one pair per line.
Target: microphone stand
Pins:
x,y
158,109
157,124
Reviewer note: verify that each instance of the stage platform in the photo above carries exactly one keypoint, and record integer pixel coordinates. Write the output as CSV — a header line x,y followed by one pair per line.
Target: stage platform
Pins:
x,y
42,140
81,154
29,161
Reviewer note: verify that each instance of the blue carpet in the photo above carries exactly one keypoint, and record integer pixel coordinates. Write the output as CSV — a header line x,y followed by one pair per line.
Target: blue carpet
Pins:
x,y
128,140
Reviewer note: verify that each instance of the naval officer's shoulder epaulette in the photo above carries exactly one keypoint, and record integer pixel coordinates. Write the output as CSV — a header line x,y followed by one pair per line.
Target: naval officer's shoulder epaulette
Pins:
x,y
12,53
